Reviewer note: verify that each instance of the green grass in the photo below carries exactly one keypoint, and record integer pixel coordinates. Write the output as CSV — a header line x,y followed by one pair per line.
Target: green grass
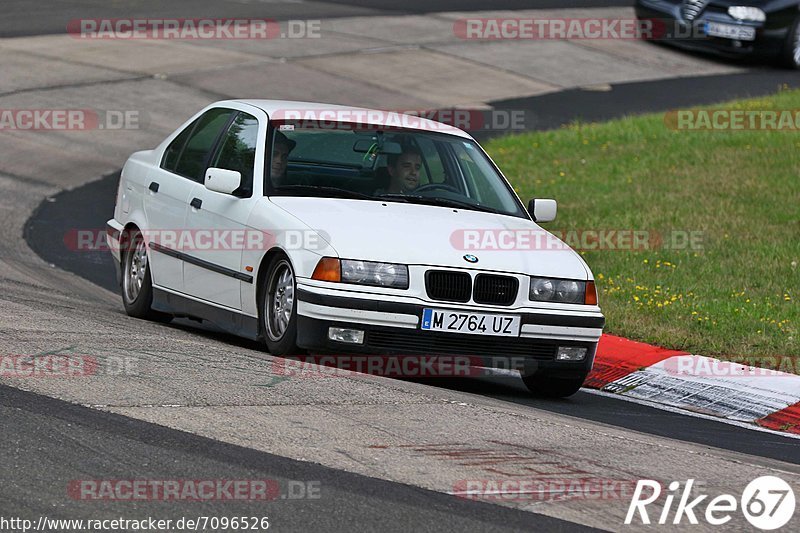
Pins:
x,y
738,295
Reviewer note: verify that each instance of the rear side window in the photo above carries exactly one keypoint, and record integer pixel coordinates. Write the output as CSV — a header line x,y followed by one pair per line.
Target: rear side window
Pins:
x,y
188,153
238,151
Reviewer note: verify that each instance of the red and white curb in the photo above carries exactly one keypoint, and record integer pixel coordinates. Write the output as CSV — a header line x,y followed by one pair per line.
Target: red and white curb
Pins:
x,y
703,385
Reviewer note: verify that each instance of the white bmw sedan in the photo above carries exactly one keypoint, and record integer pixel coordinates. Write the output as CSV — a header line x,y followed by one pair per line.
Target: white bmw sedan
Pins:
x,y
337,230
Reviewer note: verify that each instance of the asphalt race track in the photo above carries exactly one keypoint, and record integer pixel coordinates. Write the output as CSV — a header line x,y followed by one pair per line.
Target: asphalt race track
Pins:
x,y
87,208
72,440
192,403
586,105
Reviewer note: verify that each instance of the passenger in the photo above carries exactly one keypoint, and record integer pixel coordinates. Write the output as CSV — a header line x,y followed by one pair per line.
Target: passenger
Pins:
x,y
281,148
403,171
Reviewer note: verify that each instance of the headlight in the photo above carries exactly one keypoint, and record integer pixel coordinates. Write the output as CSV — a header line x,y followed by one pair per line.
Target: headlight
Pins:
x,y
565,291
377,274
747,13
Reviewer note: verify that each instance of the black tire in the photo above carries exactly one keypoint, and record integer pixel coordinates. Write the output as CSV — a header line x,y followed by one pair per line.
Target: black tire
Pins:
x,y
791,49
279,328
136,284
544,386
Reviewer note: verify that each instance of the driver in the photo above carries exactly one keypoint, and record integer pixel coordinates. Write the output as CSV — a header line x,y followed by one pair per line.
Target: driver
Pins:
x,y
403,171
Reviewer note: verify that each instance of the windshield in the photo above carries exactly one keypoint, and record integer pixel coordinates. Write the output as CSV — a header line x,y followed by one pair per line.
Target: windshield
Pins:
x,y
389,165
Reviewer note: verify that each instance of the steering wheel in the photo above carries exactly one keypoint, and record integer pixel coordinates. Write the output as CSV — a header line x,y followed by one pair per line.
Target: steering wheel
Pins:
x,y
436,187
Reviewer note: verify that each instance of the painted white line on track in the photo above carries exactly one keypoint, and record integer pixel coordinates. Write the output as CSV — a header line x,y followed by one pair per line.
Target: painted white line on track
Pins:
x,y
669,408
746,425
718,388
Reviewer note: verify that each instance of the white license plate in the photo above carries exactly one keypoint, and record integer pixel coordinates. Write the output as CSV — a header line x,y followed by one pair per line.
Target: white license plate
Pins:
x,y
471,323
731,31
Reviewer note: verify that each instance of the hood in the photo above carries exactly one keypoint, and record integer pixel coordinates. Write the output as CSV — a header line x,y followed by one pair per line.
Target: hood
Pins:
x,y
411,234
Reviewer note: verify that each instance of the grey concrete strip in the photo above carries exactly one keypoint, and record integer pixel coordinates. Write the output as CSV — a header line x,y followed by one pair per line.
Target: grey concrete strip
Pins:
x,y
328,42
556,63
293,81
427,75
18,74
417,30
608,10
145,56
597,60
667,62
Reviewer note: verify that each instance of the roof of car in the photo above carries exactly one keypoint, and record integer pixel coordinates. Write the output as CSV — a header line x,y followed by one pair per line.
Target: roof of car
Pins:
x,y
315,111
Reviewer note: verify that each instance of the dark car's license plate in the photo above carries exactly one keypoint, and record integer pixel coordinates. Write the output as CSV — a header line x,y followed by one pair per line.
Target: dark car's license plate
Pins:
x,y
730,31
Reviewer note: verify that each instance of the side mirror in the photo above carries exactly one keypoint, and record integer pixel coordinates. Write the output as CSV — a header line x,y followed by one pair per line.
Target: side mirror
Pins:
x,y
543,210
221,180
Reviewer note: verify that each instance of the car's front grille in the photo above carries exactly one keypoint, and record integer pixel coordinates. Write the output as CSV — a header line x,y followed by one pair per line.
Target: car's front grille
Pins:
x,y
692,8
414,341
495,290
448,286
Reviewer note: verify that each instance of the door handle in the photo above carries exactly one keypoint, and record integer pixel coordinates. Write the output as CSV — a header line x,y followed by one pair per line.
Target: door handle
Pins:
x,y
153,186
197,203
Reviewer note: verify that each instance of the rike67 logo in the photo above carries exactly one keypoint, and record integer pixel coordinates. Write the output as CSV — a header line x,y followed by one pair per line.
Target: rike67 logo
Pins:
x,y
767,502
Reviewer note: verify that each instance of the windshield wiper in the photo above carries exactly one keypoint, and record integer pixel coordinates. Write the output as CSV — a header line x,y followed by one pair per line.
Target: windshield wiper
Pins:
x,y
340,193
441,202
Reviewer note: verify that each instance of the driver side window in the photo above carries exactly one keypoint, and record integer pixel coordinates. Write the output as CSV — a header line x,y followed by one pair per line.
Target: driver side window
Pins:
x,y
238,151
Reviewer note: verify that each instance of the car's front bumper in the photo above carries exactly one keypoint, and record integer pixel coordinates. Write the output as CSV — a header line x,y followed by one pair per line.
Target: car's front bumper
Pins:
x,y
690,35
392,327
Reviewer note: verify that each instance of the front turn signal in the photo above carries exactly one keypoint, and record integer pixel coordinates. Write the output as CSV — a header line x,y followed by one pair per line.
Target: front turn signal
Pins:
x,y
328,269
591,294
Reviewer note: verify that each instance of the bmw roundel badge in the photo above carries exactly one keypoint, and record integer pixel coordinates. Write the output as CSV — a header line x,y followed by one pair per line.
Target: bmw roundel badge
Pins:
x,y
469,258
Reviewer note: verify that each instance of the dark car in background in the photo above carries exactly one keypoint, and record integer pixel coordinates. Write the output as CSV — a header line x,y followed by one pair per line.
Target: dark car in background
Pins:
x,y
760,28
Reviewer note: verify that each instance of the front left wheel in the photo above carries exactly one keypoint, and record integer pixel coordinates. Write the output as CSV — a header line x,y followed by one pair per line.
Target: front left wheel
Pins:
x,y
136,282
279,307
